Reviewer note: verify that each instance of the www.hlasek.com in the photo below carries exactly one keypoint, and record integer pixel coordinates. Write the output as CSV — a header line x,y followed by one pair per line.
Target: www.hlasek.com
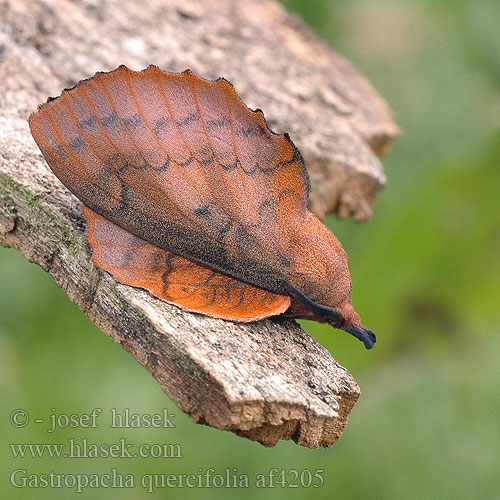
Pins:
x,y
203,478
84,448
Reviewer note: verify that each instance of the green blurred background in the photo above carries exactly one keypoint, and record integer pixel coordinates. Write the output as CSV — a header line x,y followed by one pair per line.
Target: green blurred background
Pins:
x,y
426,278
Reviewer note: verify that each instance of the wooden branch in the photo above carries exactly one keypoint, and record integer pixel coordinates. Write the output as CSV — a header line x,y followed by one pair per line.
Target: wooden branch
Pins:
x,y
267,380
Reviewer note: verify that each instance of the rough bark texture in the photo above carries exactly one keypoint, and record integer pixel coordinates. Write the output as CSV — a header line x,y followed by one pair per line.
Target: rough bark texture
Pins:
x,y
265,381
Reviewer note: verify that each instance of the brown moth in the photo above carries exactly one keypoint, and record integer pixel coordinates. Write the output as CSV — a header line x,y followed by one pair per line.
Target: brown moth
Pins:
x,y
189,194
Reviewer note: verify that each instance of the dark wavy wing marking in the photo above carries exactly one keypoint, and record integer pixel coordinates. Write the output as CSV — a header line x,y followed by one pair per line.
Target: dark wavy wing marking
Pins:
x,y
175,279
182,163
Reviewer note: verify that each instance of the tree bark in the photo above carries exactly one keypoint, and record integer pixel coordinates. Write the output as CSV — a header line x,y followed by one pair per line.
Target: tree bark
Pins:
x,y
267,380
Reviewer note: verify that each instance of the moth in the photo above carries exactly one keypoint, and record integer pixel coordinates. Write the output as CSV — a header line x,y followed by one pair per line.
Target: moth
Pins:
x,y
188,194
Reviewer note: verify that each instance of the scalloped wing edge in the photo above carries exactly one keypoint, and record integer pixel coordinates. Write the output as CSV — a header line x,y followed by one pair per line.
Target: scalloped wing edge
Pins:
x,y
257,112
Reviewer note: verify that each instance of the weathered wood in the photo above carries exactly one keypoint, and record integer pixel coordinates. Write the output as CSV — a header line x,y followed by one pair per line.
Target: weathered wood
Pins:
x,y
265,381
